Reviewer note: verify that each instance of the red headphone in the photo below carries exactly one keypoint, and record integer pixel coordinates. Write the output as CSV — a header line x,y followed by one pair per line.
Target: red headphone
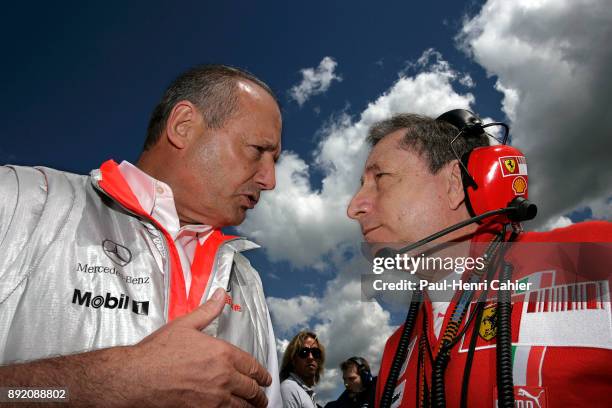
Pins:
x,y
492,176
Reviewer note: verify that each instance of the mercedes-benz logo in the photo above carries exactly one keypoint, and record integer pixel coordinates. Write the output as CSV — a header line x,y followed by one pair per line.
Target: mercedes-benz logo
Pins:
x,y
116,252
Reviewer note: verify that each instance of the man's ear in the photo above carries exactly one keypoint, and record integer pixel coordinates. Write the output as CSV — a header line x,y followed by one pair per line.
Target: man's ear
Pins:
x,y
456,194
181,123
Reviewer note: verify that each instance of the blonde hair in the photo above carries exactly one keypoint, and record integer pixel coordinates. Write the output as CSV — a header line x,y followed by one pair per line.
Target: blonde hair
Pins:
x,y
295,345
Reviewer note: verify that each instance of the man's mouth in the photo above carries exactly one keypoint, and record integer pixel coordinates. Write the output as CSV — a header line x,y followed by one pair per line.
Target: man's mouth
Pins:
x,y
251,200
365,231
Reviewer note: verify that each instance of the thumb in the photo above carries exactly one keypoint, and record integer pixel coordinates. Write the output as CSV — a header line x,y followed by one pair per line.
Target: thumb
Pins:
x,y
206,313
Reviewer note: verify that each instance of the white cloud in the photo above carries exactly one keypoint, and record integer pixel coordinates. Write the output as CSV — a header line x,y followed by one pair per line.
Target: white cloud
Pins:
x,y
299,224
315,80
281,346
553,63
295,222
510,101
559,222
467,81
292,314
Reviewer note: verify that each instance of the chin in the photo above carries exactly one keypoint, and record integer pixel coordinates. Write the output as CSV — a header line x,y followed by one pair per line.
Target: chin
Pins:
x,y
239,218
235,219
379,237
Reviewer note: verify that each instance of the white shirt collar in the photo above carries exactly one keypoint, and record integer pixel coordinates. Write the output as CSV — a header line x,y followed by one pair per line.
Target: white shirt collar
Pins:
x,y
301,383
156,198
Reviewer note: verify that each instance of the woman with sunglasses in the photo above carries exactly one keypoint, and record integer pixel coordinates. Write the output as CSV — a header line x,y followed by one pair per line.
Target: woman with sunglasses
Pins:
x,y
301,369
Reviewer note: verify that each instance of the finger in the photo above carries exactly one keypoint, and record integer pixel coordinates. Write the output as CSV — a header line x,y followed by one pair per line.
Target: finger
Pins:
x,y
248,389
260,401
203,315
236,402
245,363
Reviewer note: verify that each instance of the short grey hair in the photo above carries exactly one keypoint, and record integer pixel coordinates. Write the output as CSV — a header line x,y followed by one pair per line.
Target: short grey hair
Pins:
x,y
427,137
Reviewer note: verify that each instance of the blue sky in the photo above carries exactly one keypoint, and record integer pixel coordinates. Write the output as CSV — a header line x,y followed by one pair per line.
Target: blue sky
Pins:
x,y
79,82
87,76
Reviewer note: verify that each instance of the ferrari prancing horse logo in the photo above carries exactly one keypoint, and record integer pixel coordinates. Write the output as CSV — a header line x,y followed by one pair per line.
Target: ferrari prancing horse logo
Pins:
x,y
513,166
510,165
488,323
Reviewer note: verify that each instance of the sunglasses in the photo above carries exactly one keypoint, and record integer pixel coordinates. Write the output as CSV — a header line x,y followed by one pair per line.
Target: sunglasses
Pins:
x,y
305,351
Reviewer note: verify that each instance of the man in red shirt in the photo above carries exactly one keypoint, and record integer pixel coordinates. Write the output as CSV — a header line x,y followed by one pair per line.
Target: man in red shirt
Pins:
x,y
561,335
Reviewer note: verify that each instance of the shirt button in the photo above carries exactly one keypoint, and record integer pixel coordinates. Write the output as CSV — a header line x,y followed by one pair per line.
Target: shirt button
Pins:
x,y
160,190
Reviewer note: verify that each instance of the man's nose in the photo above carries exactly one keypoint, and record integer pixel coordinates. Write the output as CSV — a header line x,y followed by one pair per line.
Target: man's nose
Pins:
x,y
360,205
266,175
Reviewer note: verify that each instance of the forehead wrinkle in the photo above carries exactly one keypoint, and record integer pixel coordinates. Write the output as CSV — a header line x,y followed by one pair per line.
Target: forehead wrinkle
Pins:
x,y
261,140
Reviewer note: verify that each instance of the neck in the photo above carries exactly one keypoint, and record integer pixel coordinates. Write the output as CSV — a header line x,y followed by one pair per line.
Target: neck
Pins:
x,y
148,163
309,381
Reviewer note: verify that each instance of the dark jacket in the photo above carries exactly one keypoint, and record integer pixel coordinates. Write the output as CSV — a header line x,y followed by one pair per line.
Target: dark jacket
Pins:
x,y
364,399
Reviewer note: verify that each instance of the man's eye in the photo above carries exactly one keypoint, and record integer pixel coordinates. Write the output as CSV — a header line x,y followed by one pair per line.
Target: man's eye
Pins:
x,y
258,149
377,176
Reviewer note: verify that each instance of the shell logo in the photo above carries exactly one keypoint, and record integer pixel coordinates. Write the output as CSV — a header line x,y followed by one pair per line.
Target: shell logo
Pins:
x,y
519,185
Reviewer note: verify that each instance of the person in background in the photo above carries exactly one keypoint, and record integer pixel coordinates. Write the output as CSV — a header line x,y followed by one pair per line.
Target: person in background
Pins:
x,y
301,370
360,385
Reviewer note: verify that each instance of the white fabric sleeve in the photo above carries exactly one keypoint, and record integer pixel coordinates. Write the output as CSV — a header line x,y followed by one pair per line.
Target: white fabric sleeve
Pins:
x,y
273,392
9,191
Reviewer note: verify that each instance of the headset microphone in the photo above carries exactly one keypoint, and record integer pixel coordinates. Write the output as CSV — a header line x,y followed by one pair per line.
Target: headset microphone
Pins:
x,y
519,209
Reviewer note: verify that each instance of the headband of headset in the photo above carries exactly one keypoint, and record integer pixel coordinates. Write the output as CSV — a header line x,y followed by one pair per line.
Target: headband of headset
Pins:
x,y
462,119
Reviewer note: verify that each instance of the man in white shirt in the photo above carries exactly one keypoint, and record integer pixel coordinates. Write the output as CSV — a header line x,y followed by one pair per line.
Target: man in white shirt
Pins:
x,y
78,251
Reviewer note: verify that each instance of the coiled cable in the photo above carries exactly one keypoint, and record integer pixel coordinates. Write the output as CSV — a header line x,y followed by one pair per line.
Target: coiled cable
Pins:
x,y
505,384
402,349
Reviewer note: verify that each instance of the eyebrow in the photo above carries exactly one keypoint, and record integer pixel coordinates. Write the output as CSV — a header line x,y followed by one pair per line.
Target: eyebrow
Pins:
x,y
269,147
372,167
